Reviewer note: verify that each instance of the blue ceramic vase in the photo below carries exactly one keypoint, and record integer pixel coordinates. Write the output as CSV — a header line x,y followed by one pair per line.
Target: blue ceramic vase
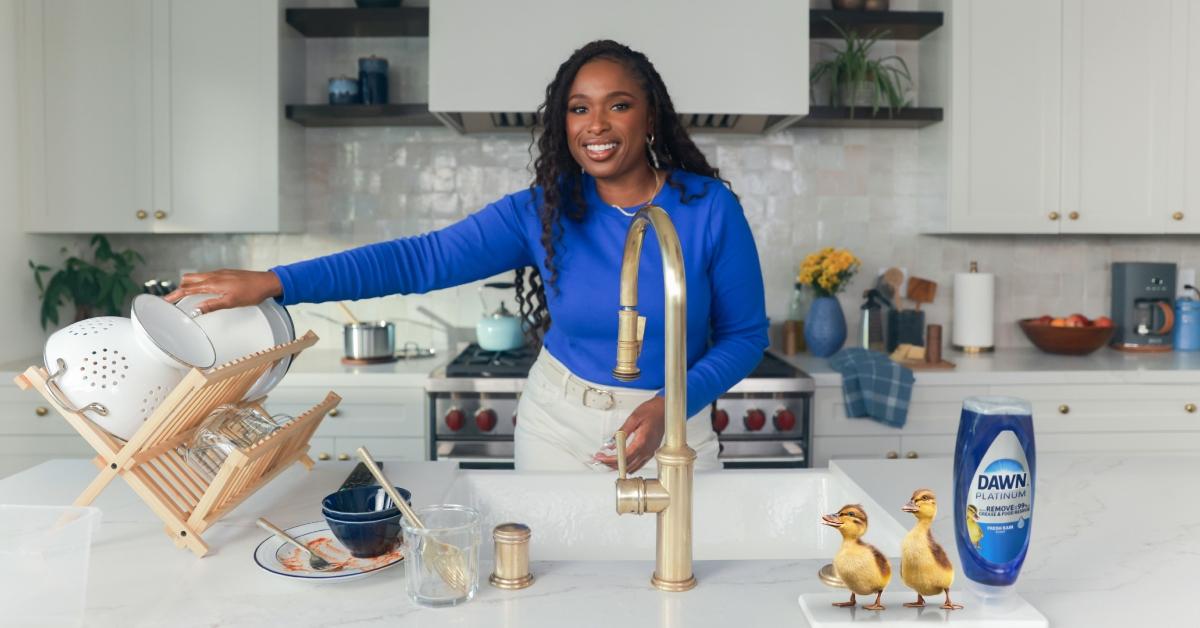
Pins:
x,y
825,327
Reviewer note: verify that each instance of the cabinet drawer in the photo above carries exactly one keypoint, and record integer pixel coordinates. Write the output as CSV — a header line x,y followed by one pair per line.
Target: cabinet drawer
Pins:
x,y
362,412
828,447
67,446
1122,408
382,448
932,410
321,449
32,415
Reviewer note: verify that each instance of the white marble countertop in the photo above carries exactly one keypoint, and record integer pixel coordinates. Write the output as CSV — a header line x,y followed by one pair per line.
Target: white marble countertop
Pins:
x,y
323,368
1107,549
1029,365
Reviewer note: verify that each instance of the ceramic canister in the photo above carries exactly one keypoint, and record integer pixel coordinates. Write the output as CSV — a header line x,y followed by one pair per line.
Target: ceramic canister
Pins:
x,y
373,80
343,90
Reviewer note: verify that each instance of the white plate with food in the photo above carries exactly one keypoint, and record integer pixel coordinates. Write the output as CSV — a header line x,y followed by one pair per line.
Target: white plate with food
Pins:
x,y
275,556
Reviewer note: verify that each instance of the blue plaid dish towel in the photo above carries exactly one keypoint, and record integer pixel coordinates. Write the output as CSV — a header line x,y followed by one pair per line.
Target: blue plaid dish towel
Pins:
x,y
873,385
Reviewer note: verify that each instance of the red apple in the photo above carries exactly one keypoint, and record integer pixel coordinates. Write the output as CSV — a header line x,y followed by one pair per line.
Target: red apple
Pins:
x,y
1044,319
1077,320
1103,321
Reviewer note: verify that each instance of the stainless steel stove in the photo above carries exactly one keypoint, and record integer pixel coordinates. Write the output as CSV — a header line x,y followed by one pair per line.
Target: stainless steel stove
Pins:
x,y
762,422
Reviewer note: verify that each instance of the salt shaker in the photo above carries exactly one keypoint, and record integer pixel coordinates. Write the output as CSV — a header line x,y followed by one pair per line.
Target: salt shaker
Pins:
x,y
512,556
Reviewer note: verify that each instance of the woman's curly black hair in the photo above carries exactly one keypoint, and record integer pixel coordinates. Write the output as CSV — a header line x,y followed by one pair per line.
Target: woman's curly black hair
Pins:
x,y
560,176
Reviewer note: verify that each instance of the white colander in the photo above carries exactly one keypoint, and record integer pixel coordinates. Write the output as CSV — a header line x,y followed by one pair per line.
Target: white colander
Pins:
x,y
116,371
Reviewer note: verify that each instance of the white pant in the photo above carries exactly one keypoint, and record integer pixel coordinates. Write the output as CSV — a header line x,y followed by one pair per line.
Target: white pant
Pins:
x,y
564,420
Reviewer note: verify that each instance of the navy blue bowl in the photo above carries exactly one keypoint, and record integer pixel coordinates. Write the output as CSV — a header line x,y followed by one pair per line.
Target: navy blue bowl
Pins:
x,y
362,503
367,539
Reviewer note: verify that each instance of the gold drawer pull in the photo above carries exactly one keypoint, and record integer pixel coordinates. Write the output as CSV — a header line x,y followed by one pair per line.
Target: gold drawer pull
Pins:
x,y
1064,409
1177,216
141,214
1073,215
322,456
891,455
912,455
343,457
1054,216
43,410
160,214
1190,408
335,412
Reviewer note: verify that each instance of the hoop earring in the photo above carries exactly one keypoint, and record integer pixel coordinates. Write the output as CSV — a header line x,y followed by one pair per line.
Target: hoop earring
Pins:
x,y
650,147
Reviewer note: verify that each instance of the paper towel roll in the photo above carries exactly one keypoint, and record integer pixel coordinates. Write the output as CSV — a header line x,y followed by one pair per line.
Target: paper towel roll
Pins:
x,y
974,311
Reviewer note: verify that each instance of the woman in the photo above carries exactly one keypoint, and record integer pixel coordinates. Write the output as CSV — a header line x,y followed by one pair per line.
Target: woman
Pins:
x,y
611,144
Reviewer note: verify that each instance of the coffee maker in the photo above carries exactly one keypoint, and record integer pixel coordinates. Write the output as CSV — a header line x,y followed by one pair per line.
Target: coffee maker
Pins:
x,y
1143,305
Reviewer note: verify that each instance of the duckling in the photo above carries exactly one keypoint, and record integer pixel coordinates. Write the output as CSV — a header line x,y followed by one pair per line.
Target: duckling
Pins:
x,y
864,569
973,528
924,566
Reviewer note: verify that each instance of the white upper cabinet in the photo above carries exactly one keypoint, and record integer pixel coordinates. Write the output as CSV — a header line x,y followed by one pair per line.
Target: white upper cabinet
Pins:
x,y
1007,116
86,100
1117,107
155,116
1068,116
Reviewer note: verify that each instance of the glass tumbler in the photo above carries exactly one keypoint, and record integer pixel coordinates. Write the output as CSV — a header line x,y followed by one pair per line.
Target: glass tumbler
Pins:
x,y
452,525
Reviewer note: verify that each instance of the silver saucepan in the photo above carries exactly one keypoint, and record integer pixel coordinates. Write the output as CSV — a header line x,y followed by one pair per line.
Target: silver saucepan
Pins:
x,y
366,340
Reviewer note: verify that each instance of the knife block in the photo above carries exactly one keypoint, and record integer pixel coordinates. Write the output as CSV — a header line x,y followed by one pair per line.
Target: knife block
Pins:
x,y
153,462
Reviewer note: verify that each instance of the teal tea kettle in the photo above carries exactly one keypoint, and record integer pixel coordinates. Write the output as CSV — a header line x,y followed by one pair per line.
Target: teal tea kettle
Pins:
x,y
499,330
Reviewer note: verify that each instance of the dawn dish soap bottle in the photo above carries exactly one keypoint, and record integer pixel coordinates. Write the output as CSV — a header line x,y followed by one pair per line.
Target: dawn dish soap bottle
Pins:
x,y
994,479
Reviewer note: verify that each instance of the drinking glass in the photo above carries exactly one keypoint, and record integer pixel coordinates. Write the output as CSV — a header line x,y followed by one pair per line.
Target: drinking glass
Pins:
x,y
456,526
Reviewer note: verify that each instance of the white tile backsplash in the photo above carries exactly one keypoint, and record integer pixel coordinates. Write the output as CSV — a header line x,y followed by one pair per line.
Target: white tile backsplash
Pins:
x,y
801,189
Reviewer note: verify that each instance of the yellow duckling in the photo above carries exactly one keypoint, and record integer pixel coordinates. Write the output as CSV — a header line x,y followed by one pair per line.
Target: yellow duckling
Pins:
x,y
973,529
924,566
864,569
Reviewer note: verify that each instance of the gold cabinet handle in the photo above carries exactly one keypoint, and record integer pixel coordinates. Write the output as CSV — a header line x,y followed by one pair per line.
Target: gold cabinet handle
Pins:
x,y
335,412
141,214
322,456
1073,215
891,455
343,457
43,410
1054,216
1177,216
1064,409
1189,408
912,455
160,214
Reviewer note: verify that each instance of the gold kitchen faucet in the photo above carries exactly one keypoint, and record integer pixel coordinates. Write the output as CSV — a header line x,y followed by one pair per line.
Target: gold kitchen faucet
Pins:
x,y
670,495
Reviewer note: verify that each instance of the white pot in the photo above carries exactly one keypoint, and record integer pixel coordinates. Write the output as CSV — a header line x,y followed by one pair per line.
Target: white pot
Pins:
x,y
116,371
239,331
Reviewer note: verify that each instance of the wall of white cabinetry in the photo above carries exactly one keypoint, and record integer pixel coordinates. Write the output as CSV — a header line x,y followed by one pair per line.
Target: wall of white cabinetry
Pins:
x,y
1065,116
159,116
1067,418
389,420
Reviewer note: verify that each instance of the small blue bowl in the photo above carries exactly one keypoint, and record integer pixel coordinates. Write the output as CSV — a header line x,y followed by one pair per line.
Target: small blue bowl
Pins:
x,y
362,503
367,539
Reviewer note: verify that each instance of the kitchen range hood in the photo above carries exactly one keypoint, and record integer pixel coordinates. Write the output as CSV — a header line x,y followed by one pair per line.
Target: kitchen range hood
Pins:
x,y
734,67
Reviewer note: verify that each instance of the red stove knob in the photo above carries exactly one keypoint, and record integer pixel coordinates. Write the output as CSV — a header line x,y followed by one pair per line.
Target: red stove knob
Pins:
x,y
456,419
485,420
720,420
754,420
784,420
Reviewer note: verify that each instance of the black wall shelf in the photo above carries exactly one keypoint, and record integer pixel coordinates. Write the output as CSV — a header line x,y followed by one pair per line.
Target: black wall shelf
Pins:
x,y
414,114
400,22
907,118
414,22
906,25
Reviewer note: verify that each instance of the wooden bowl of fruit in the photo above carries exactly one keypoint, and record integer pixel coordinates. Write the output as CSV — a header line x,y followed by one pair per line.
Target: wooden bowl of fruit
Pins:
x,y
1070,335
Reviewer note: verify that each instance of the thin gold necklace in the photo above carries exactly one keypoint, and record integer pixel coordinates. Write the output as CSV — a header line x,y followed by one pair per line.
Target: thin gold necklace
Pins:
x,y
631,214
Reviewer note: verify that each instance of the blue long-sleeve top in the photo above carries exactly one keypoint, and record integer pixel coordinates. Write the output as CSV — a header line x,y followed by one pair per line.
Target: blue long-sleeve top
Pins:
x,y
726,315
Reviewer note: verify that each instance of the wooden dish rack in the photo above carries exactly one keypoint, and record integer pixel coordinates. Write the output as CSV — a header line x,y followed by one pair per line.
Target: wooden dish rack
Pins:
x,y
153,461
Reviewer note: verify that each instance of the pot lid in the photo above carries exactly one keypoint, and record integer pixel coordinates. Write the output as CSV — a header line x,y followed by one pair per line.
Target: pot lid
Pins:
x,y
173,331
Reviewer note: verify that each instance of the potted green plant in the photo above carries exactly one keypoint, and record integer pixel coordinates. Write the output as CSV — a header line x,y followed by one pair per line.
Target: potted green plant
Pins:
x,y
858,80
99,287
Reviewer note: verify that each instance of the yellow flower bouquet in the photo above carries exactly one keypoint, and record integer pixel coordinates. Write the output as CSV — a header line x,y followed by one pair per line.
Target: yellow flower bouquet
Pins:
x,y
828,271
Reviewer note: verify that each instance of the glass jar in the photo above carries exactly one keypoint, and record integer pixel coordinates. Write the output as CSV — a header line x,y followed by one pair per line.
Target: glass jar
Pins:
x,y
802,298
226,428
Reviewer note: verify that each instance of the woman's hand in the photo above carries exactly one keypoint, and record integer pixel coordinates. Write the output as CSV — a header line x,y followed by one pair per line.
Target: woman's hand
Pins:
x,y
644,429
234,288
